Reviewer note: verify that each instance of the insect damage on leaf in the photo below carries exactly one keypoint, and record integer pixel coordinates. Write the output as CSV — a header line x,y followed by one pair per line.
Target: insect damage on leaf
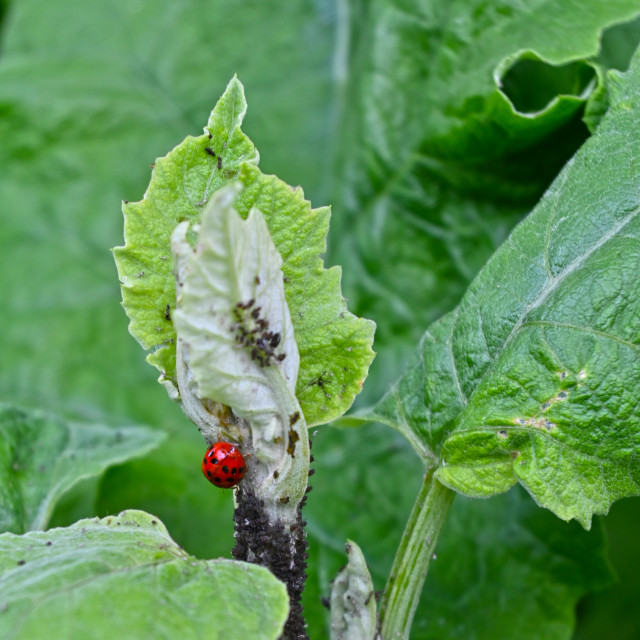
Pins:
x,y
331,341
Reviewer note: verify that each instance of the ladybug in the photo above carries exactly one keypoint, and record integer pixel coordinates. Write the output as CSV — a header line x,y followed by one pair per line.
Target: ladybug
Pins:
x,y
224,465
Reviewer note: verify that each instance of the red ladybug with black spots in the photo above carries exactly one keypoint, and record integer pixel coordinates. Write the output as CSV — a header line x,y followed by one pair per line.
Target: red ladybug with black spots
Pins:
x,y
223,465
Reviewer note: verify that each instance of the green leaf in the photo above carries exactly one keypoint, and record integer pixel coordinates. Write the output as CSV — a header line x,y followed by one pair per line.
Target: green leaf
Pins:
x,y
496,56
533,377
126,572
42,457
180,186
334,345
437,164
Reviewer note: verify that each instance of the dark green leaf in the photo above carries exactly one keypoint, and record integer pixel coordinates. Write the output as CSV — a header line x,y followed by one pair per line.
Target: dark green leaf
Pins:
x,y
534,377
437,165
42,457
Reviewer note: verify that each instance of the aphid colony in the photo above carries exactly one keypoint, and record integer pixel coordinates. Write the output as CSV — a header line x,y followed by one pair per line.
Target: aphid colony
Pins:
x,y
261,342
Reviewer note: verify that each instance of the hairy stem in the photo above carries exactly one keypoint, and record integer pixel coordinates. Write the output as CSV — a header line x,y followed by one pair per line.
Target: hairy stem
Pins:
x,y
402,593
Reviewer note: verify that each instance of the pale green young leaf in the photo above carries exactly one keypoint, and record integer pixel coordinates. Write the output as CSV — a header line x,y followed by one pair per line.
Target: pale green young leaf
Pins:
x,y
335,346
42,457
180,186
534,377
231,313
124,577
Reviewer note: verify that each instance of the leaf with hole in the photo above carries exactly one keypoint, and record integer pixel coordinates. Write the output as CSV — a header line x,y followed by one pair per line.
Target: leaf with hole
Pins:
x,y
533,378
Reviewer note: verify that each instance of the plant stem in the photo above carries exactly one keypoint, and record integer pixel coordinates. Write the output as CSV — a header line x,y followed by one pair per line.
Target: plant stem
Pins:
x,y
402,593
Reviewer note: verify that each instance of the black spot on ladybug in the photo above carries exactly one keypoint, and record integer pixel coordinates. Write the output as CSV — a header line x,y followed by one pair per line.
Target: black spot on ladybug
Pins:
x,y
214,460
210,151
233,472
225,469
241,470
217,479
208,472
231,480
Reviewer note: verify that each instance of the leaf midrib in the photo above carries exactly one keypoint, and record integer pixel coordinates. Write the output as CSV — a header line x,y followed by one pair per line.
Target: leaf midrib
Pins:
x,y
551,286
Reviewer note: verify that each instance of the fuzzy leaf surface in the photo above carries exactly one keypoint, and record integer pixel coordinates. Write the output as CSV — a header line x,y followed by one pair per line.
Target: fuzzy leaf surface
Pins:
x,y
335,346
180,186
230,291
123,576
533,378
42,457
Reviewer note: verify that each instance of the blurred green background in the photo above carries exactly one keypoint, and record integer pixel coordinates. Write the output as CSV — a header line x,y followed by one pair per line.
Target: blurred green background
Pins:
x,y
92,92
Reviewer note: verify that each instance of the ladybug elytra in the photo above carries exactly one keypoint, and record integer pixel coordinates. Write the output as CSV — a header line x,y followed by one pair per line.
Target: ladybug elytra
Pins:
x,y
223,465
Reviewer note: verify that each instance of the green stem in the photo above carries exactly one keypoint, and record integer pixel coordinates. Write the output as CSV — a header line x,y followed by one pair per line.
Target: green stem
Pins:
x,y
402,593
